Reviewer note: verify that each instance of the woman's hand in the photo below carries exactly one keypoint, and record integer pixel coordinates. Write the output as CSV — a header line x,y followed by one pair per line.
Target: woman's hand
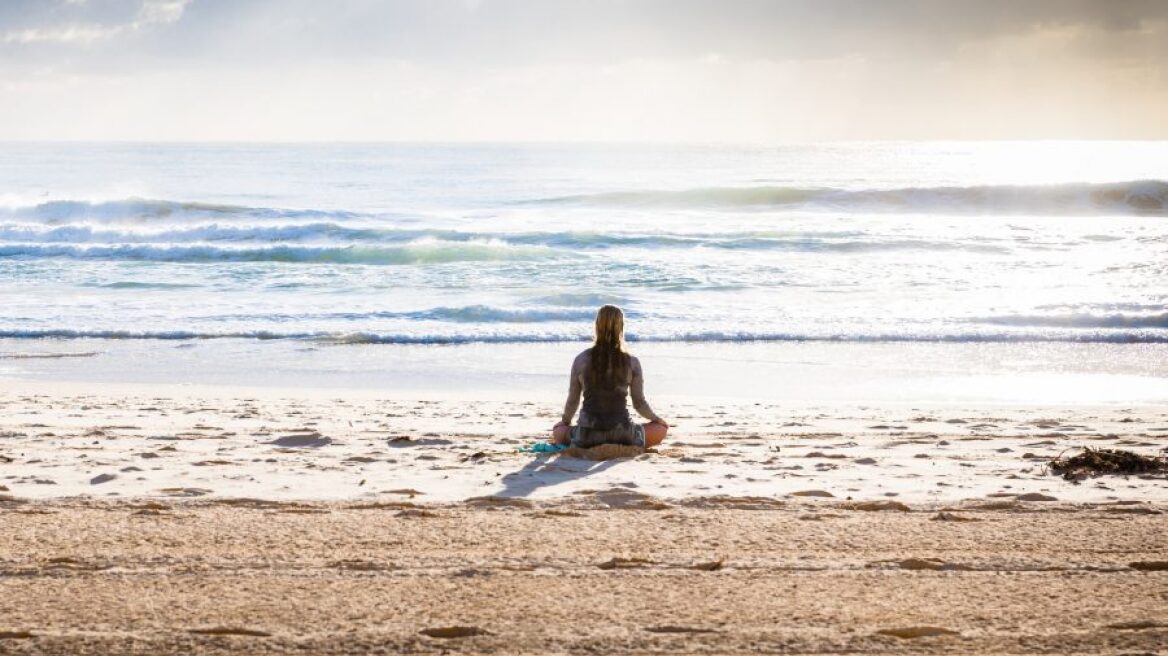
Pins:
x,y
661,421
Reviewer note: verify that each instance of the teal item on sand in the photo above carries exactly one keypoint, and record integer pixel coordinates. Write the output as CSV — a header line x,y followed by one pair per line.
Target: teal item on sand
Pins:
x,y
543,447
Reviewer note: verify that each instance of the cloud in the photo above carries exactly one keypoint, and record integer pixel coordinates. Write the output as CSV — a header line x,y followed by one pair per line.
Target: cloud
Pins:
x,y
151,13
592,70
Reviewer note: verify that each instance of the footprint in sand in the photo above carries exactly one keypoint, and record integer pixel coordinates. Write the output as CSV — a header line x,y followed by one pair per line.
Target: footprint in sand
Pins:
x,y
1034,496
310,440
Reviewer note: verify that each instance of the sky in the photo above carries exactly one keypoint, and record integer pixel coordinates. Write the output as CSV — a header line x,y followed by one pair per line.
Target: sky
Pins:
x,y
688,71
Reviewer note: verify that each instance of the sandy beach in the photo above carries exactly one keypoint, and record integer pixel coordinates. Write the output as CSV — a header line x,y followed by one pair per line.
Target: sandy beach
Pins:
x,y
600,573
294,294
156,519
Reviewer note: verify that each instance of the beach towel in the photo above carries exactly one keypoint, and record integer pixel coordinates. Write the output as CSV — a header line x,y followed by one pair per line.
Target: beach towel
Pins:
x,y
543,447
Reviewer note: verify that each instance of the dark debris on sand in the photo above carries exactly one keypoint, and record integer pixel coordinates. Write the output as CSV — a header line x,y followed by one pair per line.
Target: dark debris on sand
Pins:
x,y
1097,462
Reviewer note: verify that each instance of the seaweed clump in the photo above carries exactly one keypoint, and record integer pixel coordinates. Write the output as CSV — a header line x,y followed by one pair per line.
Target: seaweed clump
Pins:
x,y
1098,462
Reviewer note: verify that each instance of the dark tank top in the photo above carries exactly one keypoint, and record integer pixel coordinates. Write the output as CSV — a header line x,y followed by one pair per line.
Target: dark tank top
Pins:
x,y
607,408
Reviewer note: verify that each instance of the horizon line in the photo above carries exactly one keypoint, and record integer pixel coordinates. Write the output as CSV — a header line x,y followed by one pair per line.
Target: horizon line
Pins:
x,y
568,142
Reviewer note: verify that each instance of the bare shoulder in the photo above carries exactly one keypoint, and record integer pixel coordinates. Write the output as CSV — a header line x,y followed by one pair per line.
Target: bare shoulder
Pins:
x,y
582,358
634,363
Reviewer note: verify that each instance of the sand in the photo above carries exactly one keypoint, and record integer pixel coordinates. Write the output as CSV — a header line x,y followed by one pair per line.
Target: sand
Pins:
x,y
165,520
575,576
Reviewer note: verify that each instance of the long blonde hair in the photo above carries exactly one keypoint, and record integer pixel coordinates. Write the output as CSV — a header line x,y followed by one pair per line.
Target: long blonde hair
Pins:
x,y
609,359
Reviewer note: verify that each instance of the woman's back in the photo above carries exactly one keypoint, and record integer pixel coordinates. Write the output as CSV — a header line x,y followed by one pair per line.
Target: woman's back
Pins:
x,y
605,376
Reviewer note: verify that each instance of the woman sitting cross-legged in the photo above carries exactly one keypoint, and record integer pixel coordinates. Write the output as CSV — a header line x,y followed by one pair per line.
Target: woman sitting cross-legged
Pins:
x,y
606,375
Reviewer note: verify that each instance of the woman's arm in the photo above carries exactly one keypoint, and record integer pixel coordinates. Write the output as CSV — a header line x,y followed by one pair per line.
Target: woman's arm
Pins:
x,y
637,392
575,388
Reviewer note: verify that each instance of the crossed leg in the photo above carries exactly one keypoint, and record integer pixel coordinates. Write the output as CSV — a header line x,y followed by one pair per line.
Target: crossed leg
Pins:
x,y
654,434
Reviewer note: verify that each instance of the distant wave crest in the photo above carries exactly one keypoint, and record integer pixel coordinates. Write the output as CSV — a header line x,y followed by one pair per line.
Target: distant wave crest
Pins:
x,y
454,314
358,337
420,252
336,242
1081,320
150,210
1145,197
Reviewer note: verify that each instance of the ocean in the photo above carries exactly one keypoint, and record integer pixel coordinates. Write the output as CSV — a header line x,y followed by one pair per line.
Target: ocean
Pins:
x,y
304,247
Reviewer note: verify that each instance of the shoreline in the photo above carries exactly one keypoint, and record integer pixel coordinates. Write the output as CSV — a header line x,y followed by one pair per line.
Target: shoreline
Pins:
x,y
798,374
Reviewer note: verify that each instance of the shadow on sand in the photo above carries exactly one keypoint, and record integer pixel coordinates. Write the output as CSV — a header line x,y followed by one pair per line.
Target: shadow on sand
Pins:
x,y
553,469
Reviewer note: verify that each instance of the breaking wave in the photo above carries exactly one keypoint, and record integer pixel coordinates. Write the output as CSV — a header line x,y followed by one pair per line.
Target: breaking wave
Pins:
x,y
1141,197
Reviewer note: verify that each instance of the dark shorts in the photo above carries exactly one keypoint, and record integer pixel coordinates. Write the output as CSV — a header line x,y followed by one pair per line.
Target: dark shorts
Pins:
x,y
631,434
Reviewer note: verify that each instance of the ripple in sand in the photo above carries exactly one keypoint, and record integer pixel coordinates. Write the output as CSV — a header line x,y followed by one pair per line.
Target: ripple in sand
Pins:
x,y
931,564
734,502
625,563
454,632
950,517
911,632
407,491
492,502
416,512
1137,625
877,506
73,564
406,440
185,491
622,499
230,631
360,565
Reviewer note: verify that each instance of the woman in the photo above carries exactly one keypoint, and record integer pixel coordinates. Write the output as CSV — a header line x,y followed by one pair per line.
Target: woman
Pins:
x,y
606,375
